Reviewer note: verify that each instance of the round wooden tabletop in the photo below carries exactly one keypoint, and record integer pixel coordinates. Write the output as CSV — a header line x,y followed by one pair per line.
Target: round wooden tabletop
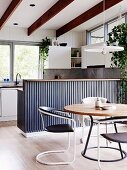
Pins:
x,y
82,109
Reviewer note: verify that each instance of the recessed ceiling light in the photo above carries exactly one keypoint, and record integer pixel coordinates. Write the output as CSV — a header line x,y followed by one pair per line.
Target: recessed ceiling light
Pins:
x,y
32,5
15,23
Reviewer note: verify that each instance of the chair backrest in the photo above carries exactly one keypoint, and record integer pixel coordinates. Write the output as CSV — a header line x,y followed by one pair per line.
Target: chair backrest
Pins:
x,y
53,112
64,116
92,100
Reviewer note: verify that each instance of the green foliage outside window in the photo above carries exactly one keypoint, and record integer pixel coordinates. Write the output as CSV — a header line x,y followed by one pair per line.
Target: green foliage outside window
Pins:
x,y
26,61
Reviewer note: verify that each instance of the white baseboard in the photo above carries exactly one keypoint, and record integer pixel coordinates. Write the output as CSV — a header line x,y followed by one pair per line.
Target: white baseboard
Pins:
x,y
32,134
8,118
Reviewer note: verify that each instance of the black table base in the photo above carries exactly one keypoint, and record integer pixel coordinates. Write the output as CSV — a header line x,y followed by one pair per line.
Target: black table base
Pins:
x,y
103,160
123,153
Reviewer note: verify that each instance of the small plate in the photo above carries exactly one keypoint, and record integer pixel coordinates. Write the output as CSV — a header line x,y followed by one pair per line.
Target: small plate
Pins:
x,y
108,107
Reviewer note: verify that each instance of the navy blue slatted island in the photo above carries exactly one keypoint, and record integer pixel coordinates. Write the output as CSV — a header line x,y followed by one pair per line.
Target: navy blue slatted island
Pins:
x,y
58,93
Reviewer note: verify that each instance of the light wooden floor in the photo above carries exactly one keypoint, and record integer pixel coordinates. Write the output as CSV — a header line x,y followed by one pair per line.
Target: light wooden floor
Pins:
x,y
18,152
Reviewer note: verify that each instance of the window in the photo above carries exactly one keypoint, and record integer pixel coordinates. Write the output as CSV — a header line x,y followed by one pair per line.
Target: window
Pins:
x,y
97,35
100,34
115,23
26,61
4,62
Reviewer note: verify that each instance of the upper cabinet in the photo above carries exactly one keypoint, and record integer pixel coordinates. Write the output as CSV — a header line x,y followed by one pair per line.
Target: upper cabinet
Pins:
x,y
59,57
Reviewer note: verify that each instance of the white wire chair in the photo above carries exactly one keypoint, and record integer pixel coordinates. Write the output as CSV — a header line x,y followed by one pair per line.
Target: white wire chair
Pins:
x,y
58,128
88,101
119,137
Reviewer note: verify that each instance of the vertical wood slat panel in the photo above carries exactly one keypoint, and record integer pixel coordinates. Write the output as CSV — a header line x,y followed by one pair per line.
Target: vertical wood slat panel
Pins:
x,y
60,93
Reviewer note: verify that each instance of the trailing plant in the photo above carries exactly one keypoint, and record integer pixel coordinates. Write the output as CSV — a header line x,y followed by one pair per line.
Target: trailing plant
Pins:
x,y
43,54
44,48
118,36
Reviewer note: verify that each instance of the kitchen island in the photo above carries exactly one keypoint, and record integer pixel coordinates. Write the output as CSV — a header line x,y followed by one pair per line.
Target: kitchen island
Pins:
x,y
58,93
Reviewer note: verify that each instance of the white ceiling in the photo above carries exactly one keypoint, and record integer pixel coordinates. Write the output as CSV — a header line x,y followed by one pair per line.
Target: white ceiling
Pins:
x,y
26,15
3,6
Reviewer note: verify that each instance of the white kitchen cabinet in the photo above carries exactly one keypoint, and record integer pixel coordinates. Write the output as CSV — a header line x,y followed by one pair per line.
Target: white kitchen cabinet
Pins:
x,y
59,57
92,59
9,103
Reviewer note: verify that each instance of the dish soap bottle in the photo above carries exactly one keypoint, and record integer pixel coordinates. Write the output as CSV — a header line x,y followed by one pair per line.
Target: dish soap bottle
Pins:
x,y
98,103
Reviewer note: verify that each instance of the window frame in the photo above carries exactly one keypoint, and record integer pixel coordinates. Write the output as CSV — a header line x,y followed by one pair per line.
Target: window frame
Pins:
x,y
88,32
12,53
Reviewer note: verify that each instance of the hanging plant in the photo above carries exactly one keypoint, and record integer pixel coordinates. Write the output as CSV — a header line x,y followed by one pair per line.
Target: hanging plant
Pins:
x,y
43,54
118,36
44,48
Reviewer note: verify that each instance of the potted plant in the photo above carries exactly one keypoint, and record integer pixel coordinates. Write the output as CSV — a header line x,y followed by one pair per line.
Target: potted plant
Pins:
x,y
118,36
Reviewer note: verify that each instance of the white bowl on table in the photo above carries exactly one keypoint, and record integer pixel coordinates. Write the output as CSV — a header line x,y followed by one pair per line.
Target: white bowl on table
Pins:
x,y
108,107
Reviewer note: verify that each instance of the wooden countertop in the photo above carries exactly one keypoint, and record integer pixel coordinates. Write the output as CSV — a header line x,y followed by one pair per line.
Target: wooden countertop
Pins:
x,y
11,86
44,80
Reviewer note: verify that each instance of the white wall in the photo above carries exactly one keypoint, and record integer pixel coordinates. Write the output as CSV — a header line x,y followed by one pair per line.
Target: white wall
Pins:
x,y
73,39
20,34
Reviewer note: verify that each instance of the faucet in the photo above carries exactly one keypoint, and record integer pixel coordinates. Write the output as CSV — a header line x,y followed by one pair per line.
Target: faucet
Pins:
x,y
16,82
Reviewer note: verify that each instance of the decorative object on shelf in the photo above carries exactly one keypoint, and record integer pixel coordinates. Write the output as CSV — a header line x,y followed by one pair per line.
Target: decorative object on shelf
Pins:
x,y
103,47
57,77
63,44
77,54
43,53
55,42
119,59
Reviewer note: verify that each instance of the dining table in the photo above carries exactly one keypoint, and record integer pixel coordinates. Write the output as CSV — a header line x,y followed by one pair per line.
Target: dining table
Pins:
x,y
107,110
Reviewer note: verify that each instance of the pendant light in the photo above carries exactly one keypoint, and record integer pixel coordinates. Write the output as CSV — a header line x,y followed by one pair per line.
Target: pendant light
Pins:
x,y
102,47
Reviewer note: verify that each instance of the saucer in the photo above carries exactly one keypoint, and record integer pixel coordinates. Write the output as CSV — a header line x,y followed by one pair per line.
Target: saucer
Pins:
x,y
108,107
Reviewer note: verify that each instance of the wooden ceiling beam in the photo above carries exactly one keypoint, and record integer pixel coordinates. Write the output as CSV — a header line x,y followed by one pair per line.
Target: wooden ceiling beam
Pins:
x,y
92,12
9,11
54,10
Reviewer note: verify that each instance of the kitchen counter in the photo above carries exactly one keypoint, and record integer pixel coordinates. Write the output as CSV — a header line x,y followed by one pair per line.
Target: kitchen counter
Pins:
x,y
11,86
47,80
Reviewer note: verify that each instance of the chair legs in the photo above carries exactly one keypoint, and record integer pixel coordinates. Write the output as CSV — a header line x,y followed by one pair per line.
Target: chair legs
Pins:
x,y
98,146
40,156
83,126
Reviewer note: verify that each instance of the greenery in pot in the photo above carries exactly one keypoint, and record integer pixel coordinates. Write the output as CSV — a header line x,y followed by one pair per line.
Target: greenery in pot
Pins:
x,y
44,48
118,36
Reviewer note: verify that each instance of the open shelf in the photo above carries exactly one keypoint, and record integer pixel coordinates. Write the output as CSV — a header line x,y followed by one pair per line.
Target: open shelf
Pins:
x,y
75,67
75,57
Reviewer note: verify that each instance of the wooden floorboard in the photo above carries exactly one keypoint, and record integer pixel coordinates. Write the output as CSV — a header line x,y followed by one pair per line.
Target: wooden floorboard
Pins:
x,y
8,123
18,152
